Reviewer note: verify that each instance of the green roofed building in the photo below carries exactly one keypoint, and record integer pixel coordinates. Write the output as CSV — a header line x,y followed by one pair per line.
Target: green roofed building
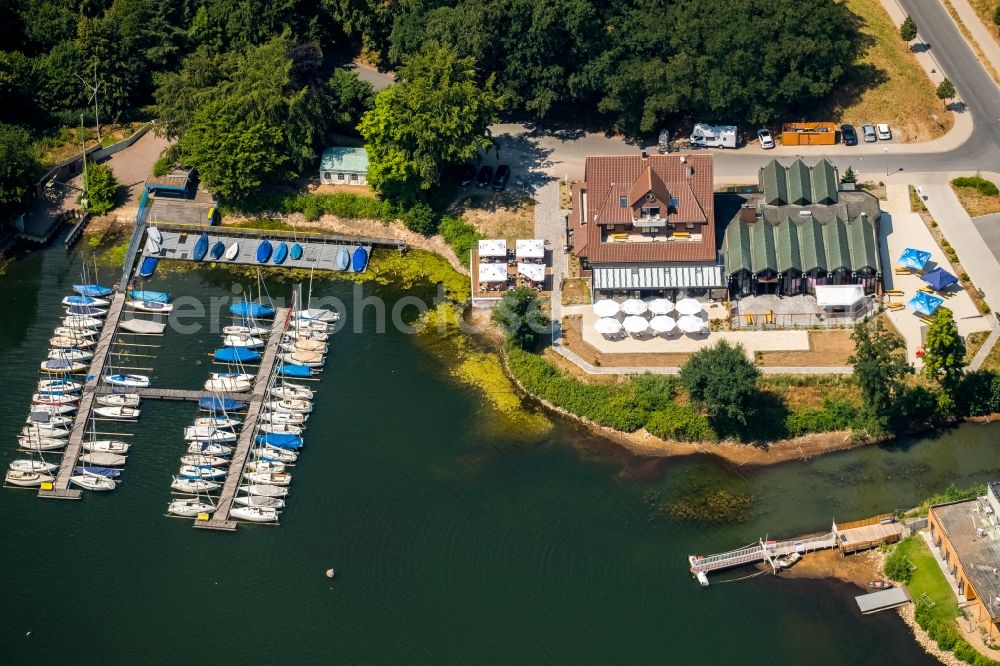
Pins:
x,y
344,165
798,232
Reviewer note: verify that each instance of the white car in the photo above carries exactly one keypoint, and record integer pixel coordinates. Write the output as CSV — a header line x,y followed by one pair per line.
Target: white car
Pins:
x,y
766,140
883,131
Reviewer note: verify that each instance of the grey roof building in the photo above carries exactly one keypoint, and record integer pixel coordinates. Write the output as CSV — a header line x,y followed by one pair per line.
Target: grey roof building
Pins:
x,y
344,165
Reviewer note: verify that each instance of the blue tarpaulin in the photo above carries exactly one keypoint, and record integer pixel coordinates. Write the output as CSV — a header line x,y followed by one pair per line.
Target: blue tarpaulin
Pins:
x,y
924,303
939,279
915,259
236,355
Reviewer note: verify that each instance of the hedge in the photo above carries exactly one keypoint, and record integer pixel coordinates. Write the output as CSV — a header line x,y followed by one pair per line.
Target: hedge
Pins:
x,y
985,187
341,204
946,635
460,235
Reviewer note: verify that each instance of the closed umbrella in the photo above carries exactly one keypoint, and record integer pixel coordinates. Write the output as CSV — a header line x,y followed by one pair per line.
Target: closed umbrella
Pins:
x,y
690,323
634,306
606,308
688,306
608,326
662,323
635,324
660,306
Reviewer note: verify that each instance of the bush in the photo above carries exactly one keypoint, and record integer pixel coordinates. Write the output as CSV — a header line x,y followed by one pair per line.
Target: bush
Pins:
x,y
896,567
342,204
978,393
162,166
421,218
101,187
985,187
460,235
835,415
680,423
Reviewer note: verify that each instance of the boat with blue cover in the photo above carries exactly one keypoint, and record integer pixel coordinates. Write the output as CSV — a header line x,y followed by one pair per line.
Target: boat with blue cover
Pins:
x,y
359,259
263,251
218,250
222,404
296,252
146,295
343,259
245,309
86,311
280,440
85,300
293,370
200,248
236,355
148,266
92,290
106,472
281,253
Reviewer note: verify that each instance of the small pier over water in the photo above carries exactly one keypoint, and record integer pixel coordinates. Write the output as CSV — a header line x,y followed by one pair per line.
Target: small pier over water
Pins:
x,y
220,519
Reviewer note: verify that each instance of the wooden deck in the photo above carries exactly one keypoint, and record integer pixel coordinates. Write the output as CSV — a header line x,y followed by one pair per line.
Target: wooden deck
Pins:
x,y
60,488
220,519
157,393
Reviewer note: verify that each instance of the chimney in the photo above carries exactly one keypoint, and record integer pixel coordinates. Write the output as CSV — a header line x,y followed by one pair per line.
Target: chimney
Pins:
x,y
684,159
645,156
748,213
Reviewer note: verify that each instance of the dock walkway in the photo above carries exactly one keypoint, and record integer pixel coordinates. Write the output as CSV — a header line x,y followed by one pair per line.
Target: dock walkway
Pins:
x,y
157,393
60,488
220,519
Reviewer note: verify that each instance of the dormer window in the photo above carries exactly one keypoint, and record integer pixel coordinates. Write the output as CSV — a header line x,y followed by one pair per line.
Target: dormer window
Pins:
x,y
650,197
623,202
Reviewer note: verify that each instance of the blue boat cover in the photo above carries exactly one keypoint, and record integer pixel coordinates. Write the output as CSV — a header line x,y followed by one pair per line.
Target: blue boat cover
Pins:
x,y
152,296
107,472
245,309
281,253
359,259
293,370
280,440
95,290
263,251
236,355
83,310
296,252
147,266
79,300
343,259
221,404
200,248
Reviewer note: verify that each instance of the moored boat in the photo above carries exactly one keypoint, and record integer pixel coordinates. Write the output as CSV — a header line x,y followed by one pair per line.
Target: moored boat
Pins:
x,y
242,341
70,301
53,409
134,381
151,307
222,404
81,322
149,295
266,466
310,359
255,514
142,326
55,365
318,314
25,479
293,391
92,290
63,342
297,418
107,446
31,465
186,485
209,449
40,443
71,354
283,428
264,490
117,413
86,311
294,370
217,421
202,471
208,434
189,507
199,460
290,405
257,500
103,458
228,385
54,398
257,331
256,310
273,453
63,384
118,400
74,333
236,355
92,482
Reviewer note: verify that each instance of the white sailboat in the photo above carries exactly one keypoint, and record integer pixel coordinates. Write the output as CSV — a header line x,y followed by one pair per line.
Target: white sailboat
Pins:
x,y
274,453
189,508
69,342
209,448
118,400
24,479
248,341
71,354
217,421
291,391
306,334
268,478
49,419
118,413
206,472
53,409
255,514
102,459
92,482
202,459
307,358
133,381
281,428
152,307
266,466
81,322
107,446
193,485
228,385
54,399
290,405
208,434
265,490
247,331
39,430
31,465
61,366
40,443
296,418
256,500
74,333
64,385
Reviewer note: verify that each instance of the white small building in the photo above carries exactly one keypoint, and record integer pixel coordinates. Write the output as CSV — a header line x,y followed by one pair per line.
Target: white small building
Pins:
x,y
344,165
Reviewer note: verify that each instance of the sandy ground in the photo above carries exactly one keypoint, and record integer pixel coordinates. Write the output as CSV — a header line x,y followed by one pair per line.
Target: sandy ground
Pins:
x,y
508,215
826,349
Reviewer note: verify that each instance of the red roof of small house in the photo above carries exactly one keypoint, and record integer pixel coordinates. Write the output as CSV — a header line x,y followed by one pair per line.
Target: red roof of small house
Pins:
x,y
617,187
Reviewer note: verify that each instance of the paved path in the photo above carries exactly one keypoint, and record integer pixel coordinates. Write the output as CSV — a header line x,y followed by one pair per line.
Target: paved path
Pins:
x,y
550,225
983,35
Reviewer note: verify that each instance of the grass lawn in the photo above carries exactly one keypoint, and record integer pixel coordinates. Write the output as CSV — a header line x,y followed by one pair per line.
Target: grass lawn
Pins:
x,y
928,579
973,343
887,84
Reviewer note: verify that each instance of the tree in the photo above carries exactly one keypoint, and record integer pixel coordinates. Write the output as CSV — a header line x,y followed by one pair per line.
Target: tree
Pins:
x,y
880,369
101,189
436,115
946,90
944,352
908,30
17,168
725,381
996,15
520,316
850,176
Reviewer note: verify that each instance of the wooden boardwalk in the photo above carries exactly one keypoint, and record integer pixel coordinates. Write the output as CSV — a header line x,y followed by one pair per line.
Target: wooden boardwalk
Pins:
x,y
157,393
220,519
60,488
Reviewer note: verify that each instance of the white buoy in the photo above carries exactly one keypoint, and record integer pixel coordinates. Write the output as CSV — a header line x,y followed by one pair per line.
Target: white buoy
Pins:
x,y
329,573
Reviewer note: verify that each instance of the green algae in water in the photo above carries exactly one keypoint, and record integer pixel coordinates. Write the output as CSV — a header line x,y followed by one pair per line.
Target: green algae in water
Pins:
x,y
720,506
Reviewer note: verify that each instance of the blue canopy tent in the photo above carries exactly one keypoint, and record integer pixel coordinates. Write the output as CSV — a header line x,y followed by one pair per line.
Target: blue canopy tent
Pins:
x,y
915,259
924,303
939,279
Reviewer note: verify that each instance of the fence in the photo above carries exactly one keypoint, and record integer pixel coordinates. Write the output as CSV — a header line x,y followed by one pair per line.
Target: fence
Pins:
x,y
769,320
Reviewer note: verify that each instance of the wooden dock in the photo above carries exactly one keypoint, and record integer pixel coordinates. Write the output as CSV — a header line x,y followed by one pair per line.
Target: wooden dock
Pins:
x,y
60,488
220,519
157,393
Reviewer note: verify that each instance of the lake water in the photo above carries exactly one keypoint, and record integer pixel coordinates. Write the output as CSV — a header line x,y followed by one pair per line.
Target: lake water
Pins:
x,y
455,538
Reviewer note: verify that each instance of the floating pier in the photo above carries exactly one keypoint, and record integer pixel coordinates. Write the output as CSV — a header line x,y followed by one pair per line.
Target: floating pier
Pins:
x,y
220,519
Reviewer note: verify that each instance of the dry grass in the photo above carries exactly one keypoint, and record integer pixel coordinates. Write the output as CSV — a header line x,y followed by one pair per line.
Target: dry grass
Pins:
x,y
575,291
359,190
973,343
566,194
986,9
875,189
888,84
975,202
509,215
809,391
992,361
64,143
826,349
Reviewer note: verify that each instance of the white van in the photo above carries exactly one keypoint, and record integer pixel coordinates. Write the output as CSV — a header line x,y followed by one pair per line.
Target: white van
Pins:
x,y
715,136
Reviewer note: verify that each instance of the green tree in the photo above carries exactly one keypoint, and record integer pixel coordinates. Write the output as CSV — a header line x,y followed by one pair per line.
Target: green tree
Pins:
x,y
850,176
946,90
17,169
944,352
880,369
520,316
908,30
725,381
101,189
437,114
996,15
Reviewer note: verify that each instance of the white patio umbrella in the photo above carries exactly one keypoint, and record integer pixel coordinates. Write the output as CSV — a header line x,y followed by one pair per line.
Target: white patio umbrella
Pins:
x,y
690,323
634,306
662,323
635,324
606,308
607,326
688,306
660,306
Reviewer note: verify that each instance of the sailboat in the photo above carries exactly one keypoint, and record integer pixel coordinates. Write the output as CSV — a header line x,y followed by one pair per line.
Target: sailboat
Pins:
x,y
92,482
82,322
290,405
202,472
40,443
70,301
217,421
31,465
208,434
265,490
186,485
68,343
118,400
296,418
189,507
200,459
134,381
272,453
256,331
53,409
147,295
257,500
107,446
86,311
92,290
291,391
26,479
209,448
60,365
151,307
75,333
228,385
242,341
255,514
103,459
281,428
71,354
262,465
54,398
309,359
39,430
118,413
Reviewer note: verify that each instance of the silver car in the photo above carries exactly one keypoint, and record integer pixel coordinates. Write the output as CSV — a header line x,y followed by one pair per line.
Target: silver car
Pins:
x,y
868,132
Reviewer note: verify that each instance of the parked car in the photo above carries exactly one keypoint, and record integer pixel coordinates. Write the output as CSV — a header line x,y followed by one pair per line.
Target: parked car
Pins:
x,y
883,131
868,131
848,135
500,180
766,140
485,176
466,174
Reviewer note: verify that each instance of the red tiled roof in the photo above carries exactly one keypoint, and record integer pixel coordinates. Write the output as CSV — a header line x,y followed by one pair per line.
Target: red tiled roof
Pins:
x,y
608,178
